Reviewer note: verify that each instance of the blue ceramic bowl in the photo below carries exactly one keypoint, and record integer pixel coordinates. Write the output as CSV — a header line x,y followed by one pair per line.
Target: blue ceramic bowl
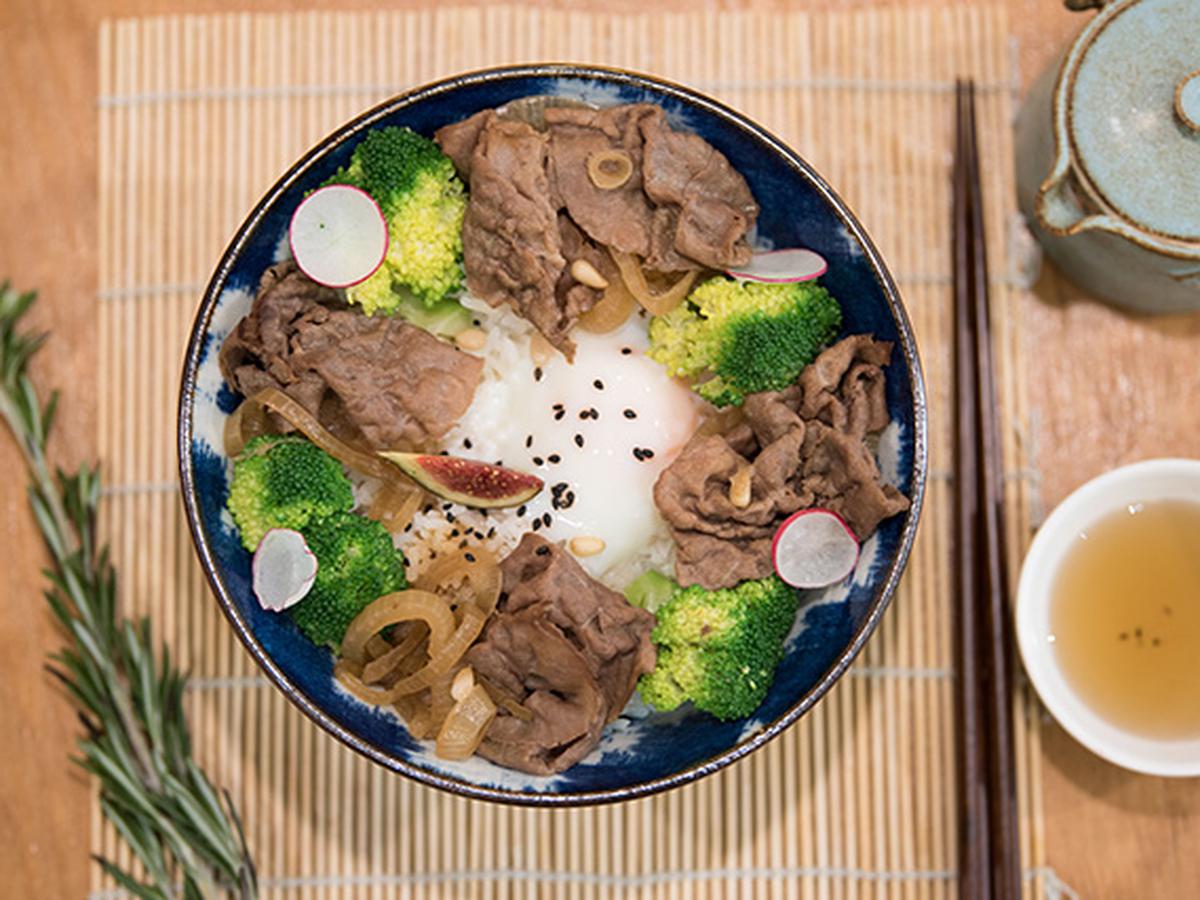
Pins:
x,y
642,752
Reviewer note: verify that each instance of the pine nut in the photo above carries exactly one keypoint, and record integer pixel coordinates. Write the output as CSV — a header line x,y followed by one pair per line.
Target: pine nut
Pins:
x,y
585,273
739,487
587,545
471,339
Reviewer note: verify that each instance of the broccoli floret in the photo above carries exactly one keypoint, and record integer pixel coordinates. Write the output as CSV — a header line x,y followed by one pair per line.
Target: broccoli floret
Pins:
x,y
356,564
744,336
284,482
719,649
423,200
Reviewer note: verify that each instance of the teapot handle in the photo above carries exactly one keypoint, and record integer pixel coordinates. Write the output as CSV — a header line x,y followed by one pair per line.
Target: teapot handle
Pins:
x,y
1080,5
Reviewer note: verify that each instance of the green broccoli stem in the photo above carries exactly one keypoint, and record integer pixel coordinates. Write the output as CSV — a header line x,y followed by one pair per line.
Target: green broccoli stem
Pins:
x,y
137,742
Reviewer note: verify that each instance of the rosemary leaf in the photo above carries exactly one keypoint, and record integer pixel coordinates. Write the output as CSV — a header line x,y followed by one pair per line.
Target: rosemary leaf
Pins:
x,y
186,836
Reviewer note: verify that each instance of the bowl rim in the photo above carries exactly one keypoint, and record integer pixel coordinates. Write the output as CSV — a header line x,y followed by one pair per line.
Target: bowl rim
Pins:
x,y
692,99
1087,504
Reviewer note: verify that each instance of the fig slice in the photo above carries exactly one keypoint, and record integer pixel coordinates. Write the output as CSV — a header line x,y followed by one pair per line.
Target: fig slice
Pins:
x,y
283,569
467,481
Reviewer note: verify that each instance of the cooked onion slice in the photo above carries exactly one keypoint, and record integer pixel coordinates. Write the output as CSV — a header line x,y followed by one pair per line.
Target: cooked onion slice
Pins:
x,y
306,423
462,732
392,609
635,281
611,312
609,169
442,661
393,659
246,422
395,504
482,575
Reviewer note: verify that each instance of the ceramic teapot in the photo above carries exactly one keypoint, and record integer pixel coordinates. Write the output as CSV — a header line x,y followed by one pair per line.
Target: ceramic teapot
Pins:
x,y
1108,155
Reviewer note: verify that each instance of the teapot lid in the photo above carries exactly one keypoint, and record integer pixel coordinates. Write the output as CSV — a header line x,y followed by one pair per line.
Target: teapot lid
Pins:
x,y
1132,91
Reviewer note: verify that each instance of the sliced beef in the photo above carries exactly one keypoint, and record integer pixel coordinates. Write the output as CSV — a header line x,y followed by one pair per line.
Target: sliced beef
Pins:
x,y
684,206
458,140
715,207
534,662
805,446
512,250
573,297
612,635
590,643
620,218
256,354
381,380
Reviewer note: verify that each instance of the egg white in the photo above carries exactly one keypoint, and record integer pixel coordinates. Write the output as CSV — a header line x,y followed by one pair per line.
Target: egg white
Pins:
x,y
529,418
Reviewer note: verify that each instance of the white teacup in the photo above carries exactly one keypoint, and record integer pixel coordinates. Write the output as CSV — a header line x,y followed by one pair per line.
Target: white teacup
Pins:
x,y
1159,479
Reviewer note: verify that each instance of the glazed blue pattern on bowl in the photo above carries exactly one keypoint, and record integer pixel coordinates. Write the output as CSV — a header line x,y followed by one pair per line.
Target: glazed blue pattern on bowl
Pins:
x,y
642,751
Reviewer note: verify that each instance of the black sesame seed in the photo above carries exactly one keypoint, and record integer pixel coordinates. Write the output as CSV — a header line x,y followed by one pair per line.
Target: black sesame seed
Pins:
x,y
542,550
428,508
408,527
595,413
538,461
463,543
537,374
529,440
433,554
446,506
450,517
455,532
476,322
625,351
469,557
546,520
537,523
579,440
647,453
520,511
559,414
568,499
499,462
467,443
598,384
554,458
491,532
630,414
557,406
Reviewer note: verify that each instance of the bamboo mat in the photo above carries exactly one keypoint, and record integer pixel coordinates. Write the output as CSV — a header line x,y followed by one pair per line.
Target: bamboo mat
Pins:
x,y
199,115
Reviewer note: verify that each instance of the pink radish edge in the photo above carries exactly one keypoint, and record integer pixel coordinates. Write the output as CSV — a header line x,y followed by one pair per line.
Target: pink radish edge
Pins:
x,y
808,512
763,280
382,250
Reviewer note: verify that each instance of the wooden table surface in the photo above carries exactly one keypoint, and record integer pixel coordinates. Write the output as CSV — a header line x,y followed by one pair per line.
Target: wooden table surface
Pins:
x,y
1116,389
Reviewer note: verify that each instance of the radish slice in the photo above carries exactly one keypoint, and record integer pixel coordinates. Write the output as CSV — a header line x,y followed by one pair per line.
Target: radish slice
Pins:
x,y
782,266
283,569
338,235
814,548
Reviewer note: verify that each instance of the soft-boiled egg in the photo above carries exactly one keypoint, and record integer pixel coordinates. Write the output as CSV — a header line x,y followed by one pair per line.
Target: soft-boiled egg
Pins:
x,y
599,431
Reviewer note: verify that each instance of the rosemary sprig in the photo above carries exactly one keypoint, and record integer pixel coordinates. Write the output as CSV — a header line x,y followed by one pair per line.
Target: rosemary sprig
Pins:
x,y
188,838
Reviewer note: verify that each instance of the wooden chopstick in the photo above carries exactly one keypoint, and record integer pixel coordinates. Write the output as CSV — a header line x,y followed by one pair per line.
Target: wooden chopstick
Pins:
x,y
989,860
